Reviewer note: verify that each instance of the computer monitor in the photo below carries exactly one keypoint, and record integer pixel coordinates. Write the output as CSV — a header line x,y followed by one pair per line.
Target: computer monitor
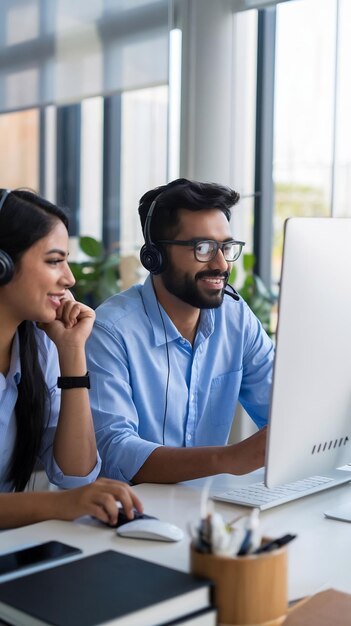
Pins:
x,y
309,431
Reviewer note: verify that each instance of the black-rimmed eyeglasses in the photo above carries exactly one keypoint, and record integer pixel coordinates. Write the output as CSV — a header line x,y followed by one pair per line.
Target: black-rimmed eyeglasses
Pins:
x,y
206,249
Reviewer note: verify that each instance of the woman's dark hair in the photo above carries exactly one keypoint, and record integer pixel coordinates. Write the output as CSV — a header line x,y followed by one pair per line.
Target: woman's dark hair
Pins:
x,y
183,194
25,218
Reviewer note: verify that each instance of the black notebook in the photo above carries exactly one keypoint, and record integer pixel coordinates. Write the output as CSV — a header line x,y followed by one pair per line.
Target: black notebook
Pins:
x,y
105,588
206,617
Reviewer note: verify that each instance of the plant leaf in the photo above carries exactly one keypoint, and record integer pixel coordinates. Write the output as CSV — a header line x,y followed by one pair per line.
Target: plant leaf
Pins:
x,y
248,261
91,246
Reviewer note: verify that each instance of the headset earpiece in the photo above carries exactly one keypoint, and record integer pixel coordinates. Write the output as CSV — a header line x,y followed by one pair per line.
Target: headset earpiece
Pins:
x,y
152,256
7,267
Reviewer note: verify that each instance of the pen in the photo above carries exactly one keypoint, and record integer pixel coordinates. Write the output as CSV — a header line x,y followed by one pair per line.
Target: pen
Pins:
x,y
274,544
204,542
252,538
245,546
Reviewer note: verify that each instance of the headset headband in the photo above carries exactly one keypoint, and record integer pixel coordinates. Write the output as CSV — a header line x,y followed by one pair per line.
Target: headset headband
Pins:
x,y
7,267
151,255
147,226
5,193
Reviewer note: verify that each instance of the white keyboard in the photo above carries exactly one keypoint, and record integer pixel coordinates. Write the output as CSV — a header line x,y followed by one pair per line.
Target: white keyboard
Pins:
x,y
259,496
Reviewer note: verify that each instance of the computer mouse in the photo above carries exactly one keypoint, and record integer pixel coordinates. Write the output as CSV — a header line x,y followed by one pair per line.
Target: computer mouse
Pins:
x,y
153,529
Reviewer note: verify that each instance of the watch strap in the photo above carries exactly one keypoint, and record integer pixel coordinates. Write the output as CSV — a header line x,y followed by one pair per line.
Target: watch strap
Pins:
x,y
73,382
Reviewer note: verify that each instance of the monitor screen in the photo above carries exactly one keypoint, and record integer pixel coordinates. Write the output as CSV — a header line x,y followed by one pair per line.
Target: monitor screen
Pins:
x,y
309,429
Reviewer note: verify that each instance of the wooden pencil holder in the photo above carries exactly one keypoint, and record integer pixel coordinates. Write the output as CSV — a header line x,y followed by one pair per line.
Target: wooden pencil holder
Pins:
x,y
249,590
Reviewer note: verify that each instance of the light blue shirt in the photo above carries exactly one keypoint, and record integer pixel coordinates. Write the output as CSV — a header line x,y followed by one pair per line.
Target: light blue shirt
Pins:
x,y
128,354
8,396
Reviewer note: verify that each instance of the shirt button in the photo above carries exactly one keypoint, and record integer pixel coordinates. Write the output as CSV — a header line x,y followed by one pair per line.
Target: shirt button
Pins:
x,y
188,437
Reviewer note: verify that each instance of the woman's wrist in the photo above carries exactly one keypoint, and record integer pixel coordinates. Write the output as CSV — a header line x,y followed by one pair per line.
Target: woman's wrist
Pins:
x,y
73,363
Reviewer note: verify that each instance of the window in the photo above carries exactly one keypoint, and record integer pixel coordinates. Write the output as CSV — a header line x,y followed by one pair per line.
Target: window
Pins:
x,y
144,156
303,114
244,123
84,108
342,171
19,149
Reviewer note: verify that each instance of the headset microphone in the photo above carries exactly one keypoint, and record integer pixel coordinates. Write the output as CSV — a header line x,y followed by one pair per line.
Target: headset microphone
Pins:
x,y
7,267
152,256
233,294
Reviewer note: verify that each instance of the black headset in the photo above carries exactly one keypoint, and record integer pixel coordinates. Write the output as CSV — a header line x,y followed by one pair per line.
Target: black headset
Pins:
x,y
7,267
152,256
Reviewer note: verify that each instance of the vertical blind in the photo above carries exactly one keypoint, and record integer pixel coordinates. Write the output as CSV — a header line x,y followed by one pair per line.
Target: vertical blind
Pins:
x,y
61,51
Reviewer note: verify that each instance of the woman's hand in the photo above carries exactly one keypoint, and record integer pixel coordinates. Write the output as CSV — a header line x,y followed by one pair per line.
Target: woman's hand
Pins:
x,y
99,500
73,323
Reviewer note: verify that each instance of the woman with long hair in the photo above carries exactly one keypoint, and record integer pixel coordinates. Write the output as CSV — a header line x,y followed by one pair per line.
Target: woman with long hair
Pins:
x,y
44,403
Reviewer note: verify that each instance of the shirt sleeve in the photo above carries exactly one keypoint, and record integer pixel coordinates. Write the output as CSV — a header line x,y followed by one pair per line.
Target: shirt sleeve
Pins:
x,y
122,450
255,391
50,366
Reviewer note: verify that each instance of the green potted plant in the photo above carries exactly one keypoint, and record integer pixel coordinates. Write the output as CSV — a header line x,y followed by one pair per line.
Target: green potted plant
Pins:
x,y
97,276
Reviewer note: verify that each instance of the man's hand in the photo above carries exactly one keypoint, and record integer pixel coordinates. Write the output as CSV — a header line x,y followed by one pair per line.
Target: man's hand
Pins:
x,y
248,455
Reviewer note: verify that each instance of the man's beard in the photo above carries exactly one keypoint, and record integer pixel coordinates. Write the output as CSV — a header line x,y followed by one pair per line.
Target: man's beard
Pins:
x,y
185,287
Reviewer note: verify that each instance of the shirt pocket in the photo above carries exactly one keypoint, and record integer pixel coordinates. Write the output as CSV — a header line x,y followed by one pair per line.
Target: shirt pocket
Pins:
x,y
224,394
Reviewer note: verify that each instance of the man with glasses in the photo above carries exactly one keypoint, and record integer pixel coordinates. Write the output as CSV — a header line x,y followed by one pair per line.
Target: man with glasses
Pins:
x,y
170,359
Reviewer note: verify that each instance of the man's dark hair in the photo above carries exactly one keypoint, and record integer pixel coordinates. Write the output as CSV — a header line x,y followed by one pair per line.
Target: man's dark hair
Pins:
x,y
183,194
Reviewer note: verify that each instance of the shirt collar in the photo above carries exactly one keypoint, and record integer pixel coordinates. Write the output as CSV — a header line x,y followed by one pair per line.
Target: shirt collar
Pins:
x,y
167,331
15,365
207,323
162,326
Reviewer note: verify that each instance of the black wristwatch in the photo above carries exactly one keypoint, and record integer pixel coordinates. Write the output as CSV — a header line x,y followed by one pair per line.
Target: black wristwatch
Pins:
x,y
73,382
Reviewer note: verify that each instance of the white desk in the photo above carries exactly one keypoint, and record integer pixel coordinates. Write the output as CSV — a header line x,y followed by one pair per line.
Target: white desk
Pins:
x,y
319,558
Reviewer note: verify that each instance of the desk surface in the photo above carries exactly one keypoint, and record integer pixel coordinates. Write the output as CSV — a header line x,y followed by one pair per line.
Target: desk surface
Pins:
x,y
319,558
